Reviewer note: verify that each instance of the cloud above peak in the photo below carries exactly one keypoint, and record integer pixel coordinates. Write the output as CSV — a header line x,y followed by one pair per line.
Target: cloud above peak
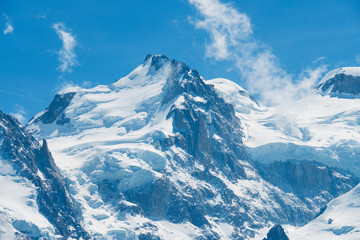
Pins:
x,y
19,113
231,38
66,55
226,26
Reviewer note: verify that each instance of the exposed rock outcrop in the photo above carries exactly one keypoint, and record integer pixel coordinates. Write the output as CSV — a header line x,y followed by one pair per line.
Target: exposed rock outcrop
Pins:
x,y
276,233
30,160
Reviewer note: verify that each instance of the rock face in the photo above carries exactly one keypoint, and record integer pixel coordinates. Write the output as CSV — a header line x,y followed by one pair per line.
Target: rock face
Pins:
x,y
212,136
55,111
313,182
341,81
32,162
276,233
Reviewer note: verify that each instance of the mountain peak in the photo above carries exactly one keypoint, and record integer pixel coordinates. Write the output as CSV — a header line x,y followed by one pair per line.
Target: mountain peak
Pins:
x,y
155,69
150,57
341,82
153,84
158,61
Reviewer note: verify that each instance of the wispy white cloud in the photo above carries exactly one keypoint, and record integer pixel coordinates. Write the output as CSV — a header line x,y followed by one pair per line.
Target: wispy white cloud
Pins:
x,y
9,28
20,114
231,38
226,26
66,55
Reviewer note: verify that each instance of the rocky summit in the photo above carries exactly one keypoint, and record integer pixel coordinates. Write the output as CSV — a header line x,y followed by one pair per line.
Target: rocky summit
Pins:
x,y
342,81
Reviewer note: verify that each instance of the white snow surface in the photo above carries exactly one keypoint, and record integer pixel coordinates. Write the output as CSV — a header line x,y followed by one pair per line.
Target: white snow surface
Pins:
x,y
18,208
315,127
341,220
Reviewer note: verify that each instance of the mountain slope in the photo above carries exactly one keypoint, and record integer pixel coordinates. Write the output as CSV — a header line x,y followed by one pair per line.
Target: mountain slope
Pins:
x,y
321,126
340,220
159,153
34,200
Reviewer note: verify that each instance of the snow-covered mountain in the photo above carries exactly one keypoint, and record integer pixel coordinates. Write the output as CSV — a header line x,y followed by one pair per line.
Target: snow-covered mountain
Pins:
x,y
163,153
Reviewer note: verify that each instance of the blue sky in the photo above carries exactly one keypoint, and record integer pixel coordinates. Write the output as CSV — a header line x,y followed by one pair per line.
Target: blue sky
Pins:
x,y
110,38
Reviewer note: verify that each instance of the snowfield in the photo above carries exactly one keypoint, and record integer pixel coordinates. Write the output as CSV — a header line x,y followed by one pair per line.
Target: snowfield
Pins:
x,y
19,210
340,220
316,127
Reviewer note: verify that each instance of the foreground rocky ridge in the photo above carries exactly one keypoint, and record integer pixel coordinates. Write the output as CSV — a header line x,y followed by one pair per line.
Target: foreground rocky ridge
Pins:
x,y
29,166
